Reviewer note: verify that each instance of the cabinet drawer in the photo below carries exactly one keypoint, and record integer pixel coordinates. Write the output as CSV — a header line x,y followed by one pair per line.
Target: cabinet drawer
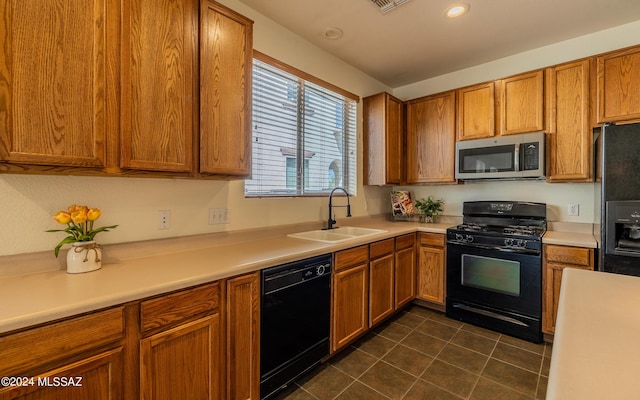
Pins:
x,y
381,248
25,351
174,308
405,241
350,257
569,255
432,239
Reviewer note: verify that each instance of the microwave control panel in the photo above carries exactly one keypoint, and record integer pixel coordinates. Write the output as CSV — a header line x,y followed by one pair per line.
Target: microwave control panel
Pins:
x,y
530,158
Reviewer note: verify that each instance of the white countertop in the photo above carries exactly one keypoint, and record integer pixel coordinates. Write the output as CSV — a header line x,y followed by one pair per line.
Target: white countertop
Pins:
x,y
578,239
138,270
596,348
27,300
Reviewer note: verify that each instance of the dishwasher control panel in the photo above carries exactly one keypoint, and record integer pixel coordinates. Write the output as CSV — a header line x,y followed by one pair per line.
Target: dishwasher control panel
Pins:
x,y
283,276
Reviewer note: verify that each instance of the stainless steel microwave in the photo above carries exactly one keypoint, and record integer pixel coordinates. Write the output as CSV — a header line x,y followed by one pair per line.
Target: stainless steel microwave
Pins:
x,y
504,157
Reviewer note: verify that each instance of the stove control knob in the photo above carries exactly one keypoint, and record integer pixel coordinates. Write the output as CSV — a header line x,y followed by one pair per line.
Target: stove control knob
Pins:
x,y
459,236
522,243
508,242
468,238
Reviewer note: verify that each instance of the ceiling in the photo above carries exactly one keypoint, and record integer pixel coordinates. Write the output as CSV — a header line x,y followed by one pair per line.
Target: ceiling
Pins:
x,y
416,41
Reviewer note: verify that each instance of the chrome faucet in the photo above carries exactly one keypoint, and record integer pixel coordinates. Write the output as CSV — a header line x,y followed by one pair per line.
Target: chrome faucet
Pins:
x,y
331,220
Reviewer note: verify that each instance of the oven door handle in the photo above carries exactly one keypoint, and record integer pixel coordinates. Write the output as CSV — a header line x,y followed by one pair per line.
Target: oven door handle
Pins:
x,y
495,248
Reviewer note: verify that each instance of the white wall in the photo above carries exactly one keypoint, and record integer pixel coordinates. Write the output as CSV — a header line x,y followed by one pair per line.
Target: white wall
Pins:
x,y
583,46
556,196
28,202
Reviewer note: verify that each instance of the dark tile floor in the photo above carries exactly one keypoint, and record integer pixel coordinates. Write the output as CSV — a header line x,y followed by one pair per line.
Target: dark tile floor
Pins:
x,y
421,354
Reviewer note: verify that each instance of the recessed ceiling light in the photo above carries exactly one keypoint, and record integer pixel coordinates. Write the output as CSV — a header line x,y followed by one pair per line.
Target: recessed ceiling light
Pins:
x,y
332,33
457,10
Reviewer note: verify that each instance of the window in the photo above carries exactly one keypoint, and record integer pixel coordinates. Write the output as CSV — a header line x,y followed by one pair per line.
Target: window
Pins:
x,y
304,134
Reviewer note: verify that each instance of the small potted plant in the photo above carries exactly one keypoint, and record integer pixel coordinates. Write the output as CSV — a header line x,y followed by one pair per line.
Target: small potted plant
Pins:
x,y
85,254
429,209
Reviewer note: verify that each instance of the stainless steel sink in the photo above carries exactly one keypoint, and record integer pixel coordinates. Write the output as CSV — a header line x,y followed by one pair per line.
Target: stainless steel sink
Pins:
x,y
336,235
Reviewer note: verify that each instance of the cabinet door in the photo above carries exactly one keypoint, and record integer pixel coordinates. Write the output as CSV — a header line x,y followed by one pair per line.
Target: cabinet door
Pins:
x,y
431,274
182,362
405,276
58,99
159,39
556,259
476,111
243,341
350,305
569,144
431,139
225,91
521,103
381,283
618,86
383,140
96,377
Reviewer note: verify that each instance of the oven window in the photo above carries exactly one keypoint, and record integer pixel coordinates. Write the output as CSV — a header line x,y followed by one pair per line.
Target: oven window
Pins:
x,y
496,275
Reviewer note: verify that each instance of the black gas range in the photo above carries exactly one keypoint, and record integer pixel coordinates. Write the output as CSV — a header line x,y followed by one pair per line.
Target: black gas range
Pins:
x,y
494,267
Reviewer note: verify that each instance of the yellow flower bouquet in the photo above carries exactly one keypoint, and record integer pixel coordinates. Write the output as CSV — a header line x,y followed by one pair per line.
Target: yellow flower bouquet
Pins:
x,y
79,221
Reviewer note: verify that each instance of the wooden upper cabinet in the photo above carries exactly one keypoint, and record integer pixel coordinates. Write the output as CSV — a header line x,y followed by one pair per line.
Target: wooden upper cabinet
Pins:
x,y
226,45
383,139
56,60
618,86
431,139
516,103
476,111
159,49
569,136
521,103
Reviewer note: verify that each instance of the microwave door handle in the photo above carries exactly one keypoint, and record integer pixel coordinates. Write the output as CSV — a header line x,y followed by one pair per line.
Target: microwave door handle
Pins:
x,y
516,158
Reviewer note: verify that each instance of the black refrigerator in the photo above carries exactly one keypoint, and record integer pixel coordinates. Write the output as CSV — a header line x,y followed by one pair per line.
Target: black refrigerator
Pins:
x,y
619,199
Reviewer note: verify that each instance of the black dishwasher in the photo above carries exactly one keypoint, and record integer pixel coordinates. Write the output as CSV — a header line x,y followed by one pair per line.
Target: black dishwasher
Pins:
x,y
295,321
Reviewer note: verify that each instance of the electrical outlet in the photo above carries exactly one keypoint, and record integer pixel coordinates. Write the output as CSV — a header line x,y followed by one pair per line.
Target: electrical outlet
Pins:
x,y
574,209
218,216
164,219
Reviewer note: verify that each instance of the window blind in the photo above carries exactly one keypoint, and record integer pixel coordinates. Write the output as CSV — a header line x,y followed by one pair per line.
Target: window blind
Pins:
x,y
304,136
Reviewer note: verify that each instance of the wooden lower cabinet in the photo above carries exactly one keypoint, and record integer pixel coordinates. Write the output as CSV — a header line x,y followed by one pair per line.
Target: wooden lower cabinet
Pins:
x,y
183,362
381,280
431,268
94,377
405,270
350,296
197,343
242,316
90,347
555,260
180,353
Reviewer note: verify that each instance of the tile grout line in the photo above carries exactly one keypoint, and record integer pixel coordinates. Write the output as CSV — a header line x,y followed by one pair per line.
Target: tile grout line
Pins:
x,y
379,359
413,327
458,329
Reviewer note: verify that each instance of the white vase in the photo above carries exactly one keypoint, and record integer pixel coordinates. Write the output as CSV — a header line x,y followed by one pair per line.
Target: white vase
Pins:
x,y
84,257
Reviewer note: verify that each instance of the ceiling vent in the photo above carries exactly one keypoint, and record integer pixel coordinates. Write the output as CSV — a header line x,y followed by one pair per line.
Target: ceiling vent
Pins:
x,y
387,5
